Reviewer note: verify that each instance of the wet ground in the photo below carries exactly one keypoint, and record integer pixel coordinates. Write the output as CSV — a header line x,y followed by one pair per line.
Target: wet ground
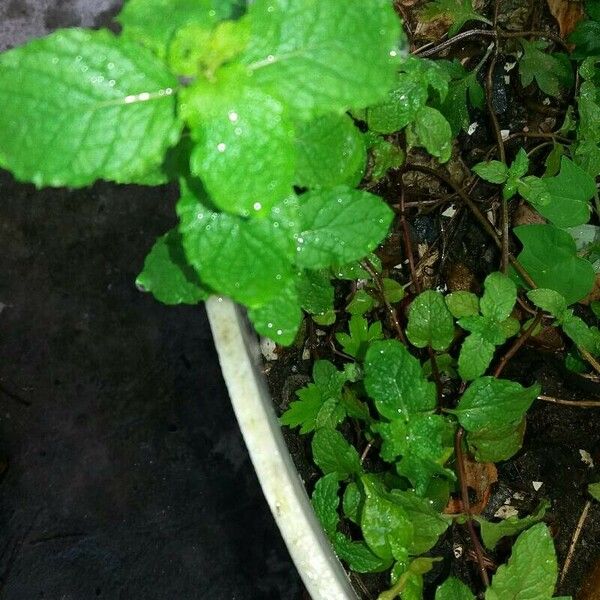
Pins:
x,y
122,471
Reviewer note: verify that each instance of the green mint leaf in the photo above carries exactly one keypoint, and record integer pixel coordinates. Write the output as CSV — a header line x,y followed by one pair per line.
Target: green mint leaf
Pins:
x,y
331,152
492,533
333,454
430,323
535,191
385,524
408,96
395,380
570,194
584,337
323,57
248,260
359,556
476,354
303,413
325,501
496,444
531,571
339,225
144,20
361,303
424,443
499,297
315,291
79,105
586,38
587,243
428,524
594,491
354,269
431,130
384,155
244,138
279,319
493,171
489,402
462,304
167,274
392,291
360,336
552,72
351,502
453,589
458,12
550,301
520,165
550,257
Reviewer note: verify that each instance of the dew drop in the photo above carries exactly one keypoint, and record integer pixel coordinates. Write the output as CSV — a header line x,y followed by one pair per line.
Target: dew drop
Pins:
x,y
112,83
257,206
144,96
233,116
270,325
279,332
270,58
221,147
55,61
110,66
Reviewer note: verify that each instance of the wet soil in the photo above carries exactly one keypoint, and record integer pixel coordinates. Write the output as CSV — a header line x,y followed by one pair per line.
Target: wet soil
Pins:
x,y
123,474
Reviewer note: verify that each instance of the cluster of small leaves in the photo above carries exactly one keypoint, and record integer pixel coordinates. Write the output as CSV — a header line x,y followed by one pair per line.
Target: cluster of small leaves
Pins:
x,y
388,393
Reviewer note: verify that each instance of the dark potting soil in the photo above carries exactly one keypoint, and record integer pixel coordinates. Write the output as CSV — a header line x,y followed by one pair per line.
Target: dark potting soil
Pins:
x,y
123,474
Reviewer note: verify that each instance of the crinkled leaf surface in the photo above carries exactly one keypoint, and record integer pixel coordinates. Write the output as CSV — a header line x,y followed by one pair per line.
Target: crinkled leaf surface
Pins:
x,y
431,130
462,304
458,12
550,71
331,151
550,256
248,260
395,380
494,444
338,226
476,354
493,171
333,454
325,501
358,555
490,402
531,571
315,291
168,275
430,323
244,152
78,106
145,20
359,337
324,56
499,297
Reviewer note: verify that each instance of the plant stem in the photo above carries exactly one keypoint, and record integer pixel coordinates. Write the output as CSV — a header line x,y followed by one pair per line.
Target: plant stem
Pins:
x,y
574,403
464,492
517,345
576,534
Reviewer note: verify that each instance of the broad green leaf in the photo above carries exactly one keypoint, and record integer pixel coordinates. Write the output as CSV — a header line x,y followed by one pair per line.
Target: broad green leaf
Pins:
x,y
384,155
351,502
531,571
333,454
303,413
385,524
462,304
395,381
520,165
586,38
244,152
325,501
492,533
550,257
570,193
431,130
361,303
489,402
548,300
428,524
493,171
338,226
594,491
535,191
358,555
315,291
476,354
361,334
430,323
422,443
325,56
280,318
408,96
168,275
247,260
79,105
392,290
499,297
453,589
552,72
331,152
495,444
145,21
458,12
587,242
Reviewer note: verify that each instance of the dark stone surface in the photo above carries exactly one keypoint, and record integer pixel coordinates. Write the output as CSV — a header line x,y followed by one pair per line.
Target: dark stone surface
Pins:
x,y
123,473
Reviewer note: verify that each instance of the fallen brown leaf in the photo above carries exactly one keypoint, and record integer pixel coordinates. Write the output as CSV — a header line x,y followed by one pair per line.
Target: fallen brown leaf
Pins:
x,y
567,13
480,478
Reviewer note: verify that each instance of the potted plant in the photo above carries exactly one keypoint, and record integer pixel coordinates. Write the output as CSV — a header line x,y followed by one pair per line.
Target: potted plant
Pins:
x,y
265,116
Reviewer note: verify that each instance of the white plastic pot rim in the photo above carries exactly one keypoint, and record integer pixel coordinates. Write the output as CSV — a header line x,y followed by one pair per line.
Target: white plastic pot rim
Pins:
x,y
237,346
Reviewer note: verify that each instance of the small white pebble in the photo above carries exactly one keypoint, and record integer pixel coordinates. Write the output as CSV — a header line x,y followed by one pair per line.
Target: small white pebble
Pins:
x,y
449,212
267,348
472,128
509,66
586,458
537,485
504,133
506,511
